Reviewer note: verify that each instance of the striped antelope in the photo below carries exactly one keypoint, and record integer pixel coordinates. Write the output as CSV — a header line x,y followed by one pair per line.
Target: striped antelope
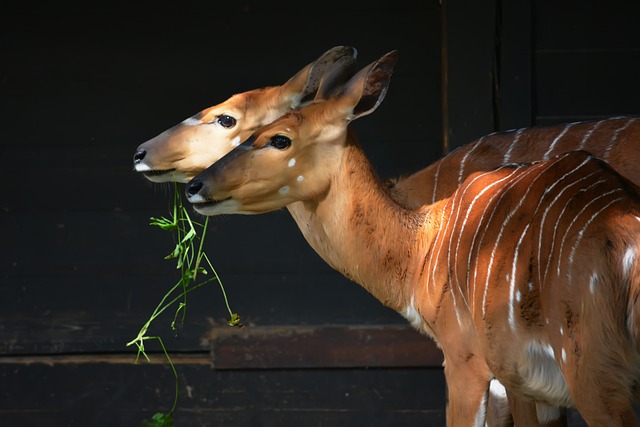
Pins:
x,y
179,153
526,273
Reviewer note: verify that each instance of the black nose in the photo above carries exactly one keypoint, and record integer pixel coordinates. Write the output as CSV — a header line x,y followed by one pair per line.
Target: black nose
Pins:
x,y
137,158
193,188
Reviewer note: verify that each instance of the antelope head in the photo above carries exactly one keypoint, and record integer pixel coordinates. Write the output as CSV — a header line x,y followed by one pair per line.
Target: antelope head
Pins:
x,y
295,157
181,152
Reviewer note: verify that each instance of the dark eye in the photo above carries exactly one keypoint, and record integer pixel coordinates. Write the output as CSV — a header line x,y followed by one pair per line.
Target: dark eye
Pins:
x,y
226,121
280,142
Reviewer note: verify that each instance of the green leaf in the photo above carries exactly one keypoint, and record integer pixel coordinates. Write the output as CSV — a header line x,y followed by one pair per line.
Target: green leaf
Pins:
x,y
163,223
235,321
159,420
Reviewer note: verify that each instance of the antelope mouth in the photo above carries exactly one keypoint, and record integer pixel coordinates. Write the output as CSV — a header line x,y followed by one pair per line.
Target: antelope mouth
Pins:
x,y
164,175
215,207
158,172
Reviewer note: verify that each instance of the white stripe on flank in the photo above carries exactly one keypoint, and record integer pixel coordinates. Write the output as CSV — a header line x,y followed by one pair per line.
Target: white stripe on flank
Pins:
x,y
435,183
457,250
555,141
464,160
514,265
546,212
507,155
453,294
615,137
584,227
432,272
510,185
588,134
454,265
475,235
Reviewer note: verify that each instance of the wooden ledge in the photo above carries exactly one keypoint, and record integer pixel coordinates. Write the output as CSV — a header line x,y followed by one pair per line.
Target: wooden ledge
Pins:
x,y
322,346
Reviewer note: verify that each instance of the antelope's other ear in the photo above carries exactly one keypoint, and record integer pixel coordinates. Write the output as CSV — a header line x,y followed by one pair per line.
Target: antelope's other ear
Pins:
x,y
365,91
304,85
334,78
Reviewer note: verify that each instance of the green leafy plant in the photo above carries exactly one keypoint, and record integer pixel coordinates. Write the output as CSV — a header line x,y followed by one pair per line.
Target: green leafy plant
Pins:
x,y
190,257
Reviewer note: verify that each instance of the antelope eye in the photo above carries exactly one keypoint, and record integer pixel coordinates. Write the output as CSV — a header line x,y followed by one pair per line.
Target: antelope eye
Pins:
x,y
226,121
280,142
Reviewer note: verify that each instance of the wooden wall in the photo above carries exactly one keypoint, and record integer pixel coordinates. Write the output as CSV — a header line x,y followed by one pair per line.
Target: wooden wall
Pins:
x,y
81,269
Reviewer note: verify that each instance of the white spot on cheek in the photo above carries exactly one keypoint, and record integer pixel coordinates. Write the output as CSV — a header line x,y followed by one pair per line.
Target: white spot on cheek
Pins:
x,y
292,163
300,178
284,190
235,141
192,122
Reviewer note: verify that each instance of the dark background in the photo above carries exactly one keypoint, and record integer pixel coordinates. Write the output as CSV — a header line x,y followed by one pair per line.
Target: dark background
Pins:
x,y
81,270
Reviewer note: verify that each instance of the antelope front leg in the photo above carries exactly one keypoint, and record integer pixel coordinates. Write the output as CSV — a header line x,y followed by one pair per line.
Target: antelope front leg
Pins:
x,y
468,391
498,411
527,413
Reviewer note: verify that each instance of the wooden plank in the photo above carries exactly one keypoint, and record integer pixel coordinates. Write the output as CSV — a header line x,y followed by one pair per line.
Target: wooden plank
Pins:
x,y
587,84
62,314
514,63
110,393
586,25
468,42
334,346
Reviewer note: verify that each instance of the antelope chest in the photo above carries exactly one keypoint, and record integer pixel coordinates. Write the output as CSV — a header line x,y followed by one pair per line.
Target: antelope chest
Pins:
x,y
531,370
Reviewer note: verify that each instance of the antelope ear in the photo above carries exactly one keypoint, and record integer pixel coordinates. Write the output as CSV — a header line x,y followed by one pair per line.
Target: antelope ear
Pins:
x,y
362,94
303,86
334,78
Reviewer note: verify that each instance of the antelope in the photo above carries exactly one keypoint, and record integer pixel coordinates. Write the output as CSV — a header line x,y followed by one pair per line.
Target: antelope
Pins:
x,y
527,273
186,149
179,153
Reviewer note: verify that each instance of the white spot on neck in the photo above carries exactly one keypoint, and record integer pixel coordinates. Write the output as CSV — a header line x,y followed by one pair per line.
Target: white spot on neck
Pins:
x,y
284,190
192,122
235,141
292,163
300,178
592,283
412,315
628,260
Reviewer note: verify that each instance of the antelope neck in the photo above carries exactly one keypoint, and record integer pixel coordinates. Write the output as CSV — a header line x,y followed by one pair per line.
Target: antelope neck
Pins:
x,y
362,233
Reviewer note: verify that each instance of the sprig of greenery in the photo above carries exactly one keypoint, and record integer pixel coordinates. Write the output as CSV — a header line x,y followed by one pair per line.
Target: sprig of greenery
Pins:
x,y
189,256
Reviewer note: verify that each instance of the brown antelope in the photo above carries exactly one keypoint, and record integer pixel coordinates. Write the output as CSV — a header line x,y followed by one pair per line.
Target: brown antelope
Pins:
x,y
528,273
179,153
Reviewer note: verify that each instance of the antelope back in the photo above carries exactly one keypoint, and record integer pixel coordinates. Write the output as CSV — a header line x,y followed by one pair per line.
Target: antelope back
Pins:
x,y
615,140
187,148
